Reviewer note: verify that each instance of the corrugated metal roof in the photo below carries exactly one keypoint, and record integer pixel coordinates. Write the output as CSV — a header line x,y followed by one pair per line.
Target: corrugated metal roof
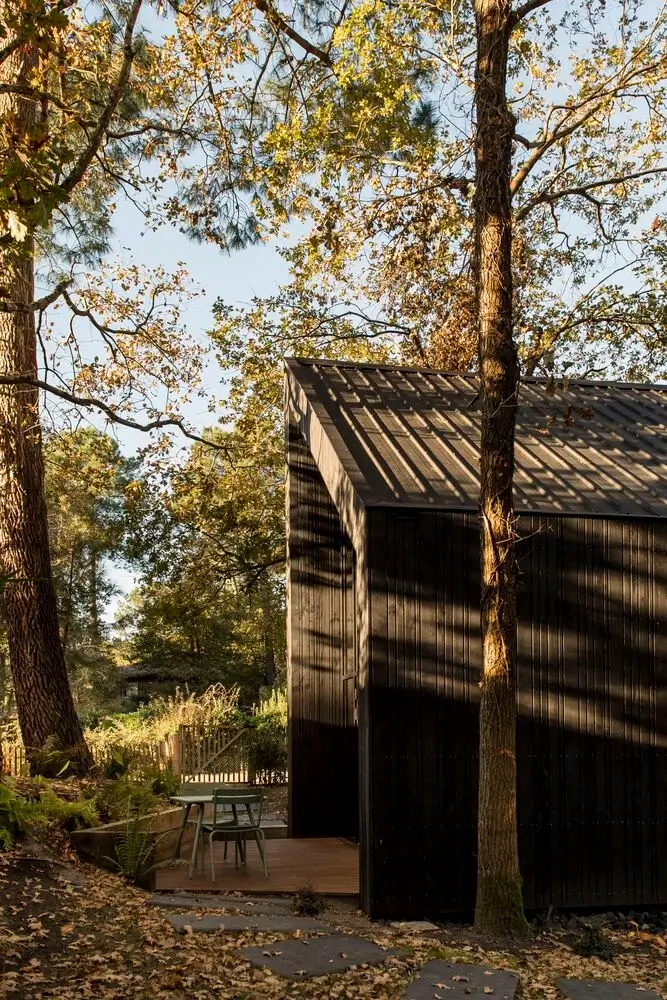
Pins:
x,y
411,436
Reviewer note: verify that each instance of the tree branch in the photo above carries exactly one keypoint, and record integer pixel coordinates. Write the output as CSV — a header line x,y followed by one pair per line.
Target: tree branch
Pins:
x,y
88,402
278,22
117,91
10,306
582,190
525,10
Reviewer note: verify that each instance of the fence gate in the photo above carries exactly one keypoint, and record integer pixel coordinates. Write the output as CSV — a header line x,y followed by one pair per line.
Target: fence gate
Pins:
x,y
216,753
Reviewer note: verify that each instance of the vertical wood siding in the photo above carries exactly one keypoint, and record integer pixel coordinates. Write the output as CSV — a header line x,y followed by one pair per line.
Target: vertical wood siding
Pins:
x,y
424,581
593,712
323,756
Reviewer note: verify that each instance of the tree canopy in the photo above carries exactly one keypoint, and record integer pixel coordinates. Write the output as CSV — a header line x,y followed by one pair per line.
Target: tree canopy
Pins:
x,y
372,150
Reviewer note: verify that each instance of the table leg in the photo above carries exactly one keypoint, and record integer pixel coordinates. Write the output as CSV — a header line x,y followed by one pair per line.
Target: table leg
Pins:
x,y
186,813
195,846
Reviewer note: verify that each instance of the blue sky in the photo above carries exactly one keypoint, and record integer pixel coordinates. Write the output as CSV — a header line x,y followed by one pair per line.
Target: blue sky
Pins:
x,y
236,278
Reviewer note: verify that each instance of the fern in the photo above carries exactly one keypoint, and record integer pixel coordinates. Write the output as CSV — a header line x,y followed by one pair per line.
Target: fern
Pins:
x,y
135,850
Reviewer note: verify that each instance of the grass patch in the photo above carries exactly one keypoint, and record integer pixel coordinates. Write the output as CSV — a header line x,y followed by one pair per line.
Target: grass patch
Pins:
x,y
308,903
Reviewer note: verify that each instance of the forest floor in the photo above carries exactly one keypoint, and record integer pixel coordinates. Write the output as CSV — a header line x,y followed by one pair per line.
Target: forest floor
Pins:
x,y
69,931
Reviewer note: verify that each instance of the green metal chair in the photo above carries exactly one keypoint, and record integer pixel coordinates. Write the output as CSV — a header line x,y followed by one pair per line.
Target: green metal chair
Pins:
x,y
237,829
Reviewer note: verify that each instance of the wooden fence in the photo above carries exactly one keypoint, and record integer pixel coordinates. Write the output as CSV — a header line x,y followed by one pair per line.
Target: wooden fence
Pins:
x,y
13,759
213,753
158,755
196,753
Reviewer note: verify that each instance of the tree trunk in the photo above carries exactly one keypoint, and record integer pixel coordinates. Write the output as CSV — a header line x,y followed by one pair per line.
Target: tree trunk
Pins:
x,y
51,731
267,628
70,601
499,907
96,629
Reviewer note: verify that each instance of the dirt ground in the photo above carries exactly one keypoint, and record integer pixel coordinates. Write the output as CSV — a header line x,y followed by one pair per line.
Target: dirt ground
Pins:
x,y
275,802
69,931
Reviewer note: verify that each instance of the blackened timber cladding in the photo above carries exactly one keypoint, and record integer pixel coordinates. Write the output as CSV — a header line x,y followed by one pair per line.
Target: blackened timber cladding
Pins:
x,y
321,651
592,737
592,642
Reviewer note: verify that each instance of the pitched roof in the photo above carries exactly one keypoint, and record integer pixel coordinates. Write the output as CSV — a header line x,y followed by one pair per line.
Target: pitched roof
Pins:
x,y
411,436
140,672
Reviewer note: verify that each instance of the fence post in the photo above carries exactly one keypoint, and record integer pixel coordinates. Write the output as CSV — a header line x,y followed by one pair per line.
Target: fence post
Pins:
x,y
176,753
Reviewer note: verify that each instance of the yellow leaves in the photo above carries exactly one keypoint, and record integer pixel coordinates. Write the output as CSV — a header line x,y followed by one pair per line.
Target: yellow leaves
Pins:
x,y
140,342
16,228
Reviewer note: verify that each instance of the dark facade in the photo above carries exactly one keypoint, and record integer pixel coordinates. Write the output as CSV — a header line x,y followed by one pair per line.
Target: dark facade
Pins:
x,y
384,658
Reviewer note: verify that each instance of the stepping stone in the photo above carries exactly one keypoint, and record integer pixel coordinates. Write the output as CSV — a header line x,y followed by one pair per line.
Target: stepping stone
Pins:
x,y
451,981
414,926
236,923
596,989
319,956
165,901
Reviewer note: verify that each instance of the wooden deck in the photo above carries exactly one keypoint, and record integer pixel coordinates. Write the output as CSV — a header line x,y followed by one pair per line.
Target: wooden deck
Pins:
x,y
329,865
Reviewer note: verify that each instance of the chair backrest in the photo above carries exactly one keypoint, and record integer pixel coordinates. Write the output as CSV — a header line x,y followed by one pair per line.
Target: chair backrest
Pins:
x,y
250,802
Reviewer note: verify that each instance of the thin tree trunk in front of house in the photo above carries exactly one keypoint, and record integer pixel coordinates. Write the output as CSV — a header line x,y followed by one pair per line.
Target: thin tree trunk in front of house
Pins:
x,y
499,907
51,731
267,628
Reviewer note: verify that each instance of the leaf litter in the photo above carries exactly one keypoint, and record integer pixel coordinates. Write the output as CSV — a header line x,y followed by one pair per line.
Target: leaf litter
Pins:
x,y
98,940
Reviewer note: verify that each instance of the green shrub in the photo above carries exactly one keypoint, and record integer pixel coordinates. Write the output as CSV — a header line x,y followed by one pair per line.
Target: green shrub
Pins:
x,y
118,763
15,816
267,756
135,851
122,798
164,782
79,814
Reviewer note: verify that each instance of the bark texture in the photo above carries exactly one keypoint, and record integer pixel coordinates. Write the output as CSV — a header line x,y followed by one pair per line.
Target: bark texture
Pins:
x,y
499,907
51,731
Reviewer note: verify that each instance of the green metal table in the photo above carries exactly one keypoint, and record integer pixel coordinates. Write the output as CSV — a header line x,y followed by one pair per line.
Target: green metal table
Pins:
x,y
234,796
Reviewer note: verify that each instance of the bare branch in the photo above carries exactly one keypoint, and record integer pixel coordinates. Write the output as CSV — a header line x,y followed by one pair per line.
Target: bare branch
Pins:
x,y
582,190
10,306
88,402
525,10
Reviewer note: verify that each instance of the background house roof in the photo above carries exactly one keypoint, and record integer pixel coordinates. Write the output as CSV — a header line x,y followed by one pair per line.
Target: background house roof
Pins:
x,y
140,672
411,436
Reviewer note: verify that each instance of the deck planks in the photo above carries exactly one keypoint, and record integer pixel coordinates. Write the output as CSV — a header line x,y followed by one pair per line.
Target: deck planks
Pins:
x,y
329,865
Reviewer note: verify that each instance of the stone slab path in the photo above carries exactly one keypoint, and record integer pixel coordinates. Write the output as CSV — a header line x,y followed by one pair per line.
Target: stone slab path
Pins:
x,y
440,980
238,904
595,989
331,952
319,956
236,923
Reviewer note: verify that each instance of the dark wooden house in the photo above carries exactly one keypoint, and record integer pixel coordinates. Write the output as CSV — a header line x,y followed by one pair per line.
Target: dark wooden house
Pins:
x,y
140,681
384,634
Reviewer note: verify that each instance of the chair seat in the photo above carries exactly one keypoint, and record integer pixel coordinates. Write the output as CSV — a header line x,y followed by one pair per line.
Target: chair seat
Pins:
x,y
237,829
230,827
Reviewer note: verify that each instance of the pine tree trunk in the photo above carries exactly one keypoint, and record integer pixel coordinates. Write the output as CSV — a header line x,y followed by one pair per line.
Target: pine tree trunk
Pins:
x,y
499,908
45,708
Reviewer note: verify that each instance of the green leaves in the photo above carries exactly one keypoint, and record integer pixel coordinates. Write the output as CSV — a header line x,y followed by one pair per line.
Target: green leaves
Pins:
x,y
375,160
